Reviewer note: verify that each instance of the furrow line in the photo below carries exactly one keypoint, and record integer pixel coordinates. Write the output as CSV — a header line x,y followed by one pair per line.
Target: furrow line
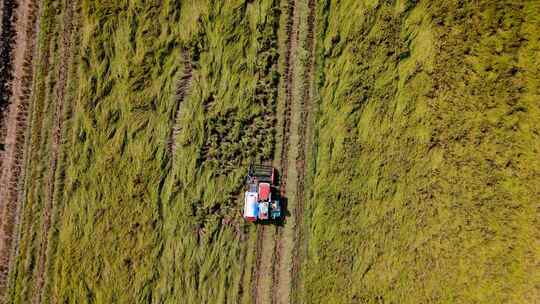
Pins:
x,y
60,98
280,289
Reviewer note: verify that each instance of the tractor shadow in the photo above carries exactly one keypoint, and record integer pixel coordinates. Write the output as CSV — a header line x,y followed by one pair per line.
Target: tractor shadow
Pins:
x,y
285,213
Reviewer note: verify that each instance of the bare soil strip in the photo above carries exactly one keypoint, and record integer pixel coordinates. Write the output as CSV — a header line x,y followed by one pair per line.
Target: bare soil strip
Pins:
x,y
60,97
11,177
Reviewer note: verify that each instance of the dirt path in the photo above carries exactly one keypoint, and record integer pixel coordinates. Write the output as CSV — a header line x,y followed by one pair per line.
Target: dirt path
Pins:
x,y
11,177
60,98
284,242
281,274
269,238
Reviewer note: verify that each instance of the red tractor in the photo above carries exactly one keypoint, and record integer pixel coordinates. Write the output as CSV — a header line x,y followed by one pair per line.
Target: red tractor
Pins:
x,y
258,201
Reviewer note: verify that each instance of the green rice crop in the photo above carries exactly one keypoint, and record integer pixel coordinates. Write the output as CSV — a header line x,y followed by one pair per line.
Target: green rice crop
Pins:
x,y
425,165
132,221
423,170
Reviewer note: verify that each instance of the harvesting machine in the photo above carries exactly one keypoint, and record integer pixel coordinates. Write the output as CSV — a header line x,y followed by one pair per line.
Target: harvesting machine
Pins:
x,y
259,205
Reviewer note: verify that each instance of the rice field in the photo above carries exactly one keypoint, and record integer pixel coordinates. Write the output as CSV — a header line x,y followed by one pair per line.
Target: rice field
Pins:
x,y
424,183
406,133
131,221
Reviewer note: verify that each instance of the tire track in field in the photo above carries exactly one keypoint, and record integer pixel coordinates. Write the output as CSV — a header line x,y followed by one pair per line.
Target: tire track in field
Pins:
x,y
281,292
269,245
306,118
280,249
256,288
58,122
182,89
289,240
12,173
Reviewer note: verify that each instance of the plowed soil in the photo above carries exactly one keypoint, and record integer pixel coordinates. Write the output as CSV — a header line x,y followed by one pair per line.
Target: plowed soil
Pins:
x,y
7,36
